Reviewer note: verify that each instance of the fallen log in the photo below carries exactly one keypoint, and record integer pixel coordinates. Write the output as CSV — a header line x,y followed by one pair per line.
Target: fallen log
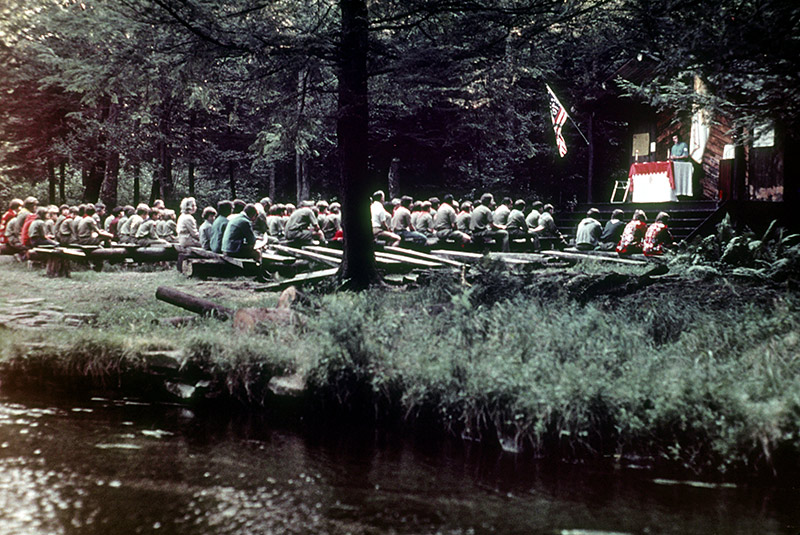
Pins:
x,y
198,305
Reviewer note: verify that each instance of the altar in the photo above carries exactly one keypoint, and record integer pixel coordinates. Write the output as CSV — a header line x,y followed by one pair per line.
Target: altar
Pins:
x,y
659,181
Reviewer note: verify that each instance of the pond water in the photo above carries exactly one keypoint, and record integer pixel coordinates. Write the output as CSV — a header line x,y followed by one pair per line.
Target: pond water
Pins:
x,y
107,468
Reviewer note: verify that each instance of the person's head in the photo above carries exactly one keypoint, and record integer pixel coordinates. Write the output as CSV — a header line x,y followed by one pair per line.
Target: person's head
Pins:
x,y
188,205
276,209
639,215
416,206
335,207
405,201
15,204
250,211
238,206
224,208
466,206
448,199
31,203
129,210
676,138
519,204
89,210
74,211
548,208
266,202
142,209
322,206
99,208
209,213
593,212
435,202
662,217
487,199
41,212
158,204
425,206
155,214
536,205
64,209
617,214
289,208
378,196
52,212
507,201
116,211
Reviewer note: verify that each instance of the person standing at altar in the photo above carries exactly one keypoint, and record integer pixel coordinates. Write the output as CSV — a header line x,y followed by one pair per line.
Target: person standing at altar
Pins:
x,y
679,150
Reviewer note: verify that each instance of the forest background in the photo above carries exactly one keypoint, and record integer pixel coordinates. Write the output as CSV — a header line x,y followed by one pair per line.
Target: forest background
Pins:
x,y
134,100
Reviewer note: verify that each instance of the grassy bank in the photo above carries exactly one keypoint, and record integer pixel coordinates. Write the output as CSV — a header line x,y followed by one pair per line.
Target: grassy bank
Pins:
x,y
588,363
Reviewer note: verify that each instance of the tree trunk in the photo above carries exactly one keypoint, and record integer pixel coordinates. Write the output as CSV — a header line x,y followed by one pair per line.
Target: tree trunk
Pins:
x,y
271,174
358,269
165,171
97,173
62,180
111,180
137,176
51,181
155,189
394,178
192,122
232,178
301,177
590,157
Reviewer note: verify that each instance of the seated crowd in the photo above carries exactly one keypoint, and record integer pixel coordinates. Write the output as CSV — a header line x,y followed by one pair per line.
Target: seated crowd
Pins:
x,y
233,227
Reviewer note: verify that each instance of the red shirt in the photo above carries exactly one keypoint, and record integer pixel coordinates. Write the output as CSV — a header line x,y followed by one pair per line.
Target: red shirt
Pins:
x,y
23,236
3,223
632,236
656,238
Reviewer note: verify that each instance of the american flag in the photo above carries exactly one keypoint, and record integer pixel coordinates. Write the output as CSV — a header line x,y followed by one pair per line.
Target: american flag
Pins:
x,y
559,116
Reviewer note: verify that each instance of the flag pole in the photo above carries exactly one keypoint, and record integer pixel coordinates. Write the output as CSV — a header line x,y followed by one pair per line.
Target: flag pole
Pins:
x,y
570,116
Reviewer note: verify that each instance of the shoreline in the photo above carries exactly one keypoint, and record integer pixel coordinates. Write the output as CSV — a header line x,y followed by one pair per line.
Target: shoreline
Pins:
x,y
701,381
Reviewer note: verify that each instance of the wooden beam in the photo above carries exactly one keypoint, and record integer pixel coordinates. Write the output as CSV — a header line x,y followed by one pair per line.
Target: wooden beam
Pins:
x,y
424,256
322,258
461,256
198,305
300,279
597,258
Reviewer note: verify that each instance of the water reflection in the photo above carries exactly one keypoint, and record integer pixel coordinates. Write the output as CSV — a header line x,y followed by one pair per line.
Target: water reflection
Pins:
x,y
118,468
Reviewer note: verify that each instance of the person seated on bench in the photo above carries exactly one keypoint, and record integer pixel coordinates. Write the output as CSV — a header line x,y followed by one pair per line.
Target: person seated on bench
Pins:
x,y
612,232
657,237
633,235
587,235
464,218
167,227
88,231
381,219
224,209
11,213
401,223
50,221
37,232
532,219
424,223
209,214
333,223
188,235
239,239
516,225
146,232
302,228
500,215
547,227
444,224
484,228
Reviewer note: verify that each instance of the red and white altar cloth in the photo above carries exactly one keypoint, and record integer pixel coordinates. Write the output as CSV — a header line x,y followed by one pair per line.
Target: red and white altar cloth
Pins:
x,y
656,181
